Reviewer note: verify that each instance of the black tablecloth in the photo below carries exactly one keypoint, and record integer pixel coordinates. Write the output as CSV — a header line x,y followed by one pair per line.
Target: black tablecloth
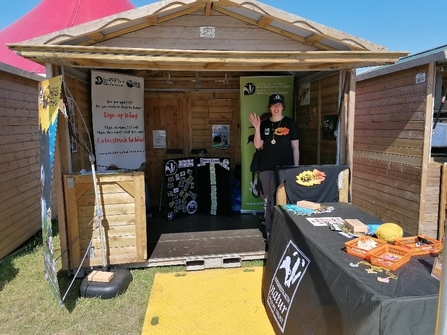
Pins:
x,y
316,183
309,286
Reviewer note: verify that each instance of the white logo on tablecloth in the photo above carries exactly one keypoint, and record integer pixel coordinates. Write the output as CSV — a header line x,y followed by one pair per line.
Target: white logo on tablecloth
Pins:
x,y
291,269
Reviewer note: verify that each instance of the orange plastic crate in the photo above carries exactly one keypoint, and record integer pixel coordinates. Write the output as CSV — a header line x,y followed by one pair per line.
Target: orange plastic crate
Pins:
x,y
390,256
352,247
424,249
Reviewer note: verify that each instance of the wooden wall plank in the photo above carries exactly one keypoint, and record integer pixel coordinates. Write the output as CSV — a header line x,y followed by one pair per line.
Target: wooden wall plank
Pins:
x,y
124,218
323,101
390,128
183,32
19,162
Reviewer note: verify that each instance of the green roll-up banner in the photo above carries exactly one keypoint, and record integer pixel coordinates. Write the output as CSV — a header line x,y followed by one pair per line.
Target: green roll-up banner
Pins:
x,y
254,95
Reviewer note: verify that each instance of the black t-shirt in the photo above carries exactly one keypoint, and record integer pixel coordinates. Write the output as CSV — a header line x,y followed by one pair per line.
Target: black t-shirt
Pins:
x,y
280,153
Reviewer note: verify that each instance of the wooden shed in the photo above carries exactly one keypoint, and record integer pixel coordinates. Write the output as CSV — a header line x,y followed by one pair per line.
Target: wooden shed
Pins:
x,y
398,165
19,158
192,54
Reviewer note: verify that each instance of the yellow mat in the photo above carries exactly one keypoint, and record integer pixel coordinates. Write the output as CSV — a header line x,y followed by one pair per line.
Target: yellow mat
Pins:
x,y
218,301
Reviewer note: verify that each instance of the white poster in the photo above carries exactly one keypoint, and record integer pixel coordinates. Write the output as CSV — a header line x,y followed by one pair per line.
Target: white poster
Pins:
x,y
304,94
159,139
118,120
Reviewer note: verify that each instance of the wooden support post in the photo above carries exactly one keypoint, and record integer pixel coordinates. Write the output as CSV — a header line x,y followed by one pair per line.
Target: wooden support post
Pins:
x,y
442,202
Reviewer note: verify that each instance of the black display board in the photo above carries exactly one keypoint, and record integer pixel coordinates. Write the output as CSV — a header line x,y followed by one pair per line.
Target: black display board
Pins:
x,y
213,181
180,187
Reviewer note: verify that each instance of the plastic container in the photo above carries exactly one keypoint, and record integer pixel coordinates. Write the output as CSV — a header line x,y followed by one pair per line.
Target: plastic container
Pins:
x,y
390,256
353,248
426,245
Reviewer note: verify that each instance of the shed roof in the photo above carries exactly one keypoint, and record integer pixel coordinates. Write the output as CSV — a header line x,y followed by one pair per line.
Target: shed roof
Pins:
x,y
436,55
19,72
49,16
85,45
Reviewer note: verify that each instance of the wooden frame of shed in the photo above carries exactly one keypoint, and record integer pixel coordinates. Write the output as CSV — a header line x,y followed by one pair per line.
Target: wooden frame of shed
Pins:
x,y
20,209
399,172
191,75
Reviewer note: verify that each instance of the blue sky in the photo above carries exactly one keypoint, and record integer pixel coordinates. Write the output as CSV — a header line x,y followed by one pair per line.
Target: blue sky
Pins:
x,y
399,25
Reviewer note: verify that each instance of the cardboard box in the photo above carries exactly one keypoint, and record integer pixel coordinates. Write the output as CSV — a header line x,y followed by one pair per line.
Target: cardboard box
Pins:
x,y
308,204
356,226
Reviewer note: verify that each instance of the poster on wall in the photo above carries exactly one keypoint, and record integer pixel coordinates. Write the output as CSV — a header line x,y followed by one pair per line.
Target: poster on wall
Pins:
x,y
221,136
180,189
49,100
118,121
254,94
159,139
304,94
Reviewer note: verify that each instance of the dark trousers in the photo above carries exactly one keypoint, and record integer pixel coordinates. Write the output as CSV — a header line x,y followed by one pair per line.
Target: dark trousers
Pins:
x,y
268,189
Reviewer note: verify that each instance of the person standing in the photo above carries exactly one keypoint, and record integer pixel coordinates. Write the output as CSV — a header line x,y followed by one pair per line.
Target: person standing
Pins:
x,y
279,139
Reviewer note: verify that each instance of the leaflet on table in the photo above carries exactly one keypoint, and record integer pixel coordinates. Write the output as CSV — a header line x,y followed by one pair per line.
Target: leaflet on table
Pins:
x,y
437,266
326,221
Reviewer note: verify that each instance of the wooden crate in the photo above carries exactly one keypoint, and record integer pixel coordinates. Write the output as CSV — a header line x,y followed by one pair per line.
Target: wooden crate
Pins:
x,y
122,201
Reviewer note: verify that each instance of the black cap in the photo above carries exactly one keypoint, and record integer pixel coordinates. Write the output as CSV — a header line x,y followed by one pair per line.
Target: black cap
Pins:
x,y
275,98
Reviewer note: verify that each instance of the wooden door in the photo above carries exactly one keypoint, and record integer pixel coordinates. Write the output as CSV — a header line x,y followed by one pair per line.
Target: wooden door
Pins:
x,y
168,112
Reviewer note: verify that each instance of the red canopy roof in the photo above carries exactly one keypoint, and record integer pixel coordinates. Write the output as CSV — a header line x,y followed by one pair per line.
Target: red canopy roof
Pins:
x,y
49,16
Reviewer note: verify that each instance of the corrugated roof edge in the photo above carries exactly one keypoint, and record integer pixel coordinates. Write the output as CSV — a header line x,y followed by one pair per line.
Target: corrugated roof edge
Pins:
x,y
407,62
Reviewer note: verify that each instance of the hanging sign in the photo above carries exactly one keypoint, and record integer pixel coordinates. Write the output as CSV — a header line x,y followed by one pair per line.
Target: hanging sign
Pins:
x,y
118,120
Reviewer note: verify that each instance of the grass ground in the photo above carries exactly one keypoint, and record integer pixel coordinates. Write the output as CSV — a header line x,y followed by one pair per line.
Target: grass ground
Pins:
x,y
27,305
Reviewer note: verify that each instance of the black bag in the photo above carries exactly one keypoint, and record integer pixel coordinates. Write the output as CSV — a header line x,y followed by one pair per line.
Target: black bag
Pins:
x,y
254,166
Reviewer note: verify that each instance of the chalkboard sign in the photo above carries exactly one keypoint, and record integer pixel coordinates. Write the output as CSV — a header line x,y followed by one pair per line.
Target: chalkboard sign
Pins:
x,y
214,185
180,187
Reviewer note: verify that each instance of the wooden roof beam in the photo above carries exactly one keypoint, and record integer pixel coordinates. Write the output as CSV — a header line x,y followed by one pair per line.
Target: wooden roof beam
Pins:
x,y
150,21
95,37
264,21
314,38
352,45
208,7
209,59
214,65
267,27
229,67
192,55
